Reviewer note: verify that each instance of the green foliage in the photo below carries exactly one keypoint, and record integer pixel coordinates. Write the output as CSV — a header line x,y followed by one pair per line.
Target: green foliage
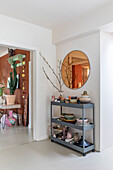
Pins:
x,y
13,81
1,91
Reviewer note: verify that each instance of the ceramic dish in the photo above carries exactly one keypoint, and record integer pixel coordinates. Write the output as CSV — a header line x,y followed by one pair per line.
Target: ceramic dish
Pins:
x,y
69,121
84,100
73,100
80,124
68,114
80,121
84,96
69,140
69,117
57,129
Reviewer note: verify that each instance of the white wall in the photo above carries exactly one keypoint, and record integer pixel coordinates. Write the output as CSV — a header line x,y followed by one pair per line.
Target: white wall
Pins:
x,y
44,91
88,23
2,53
90,45
24,35
30,96
106,86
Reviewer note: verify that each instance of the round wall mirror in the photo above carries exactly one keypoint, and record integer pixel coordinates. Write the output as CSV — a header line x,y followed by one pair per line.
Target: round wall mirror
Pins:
x,y
75,69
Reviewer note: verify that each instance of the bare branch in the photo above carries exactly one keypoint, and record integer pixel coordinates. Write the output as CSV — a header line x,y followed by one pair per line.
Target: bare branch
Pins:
x,y
50,80
50,67
57,75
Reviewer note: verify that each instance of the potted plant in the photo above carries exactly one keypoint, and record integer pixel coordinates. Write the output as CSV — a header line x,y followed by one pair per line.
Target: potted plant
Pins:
x,y
1,92
12,85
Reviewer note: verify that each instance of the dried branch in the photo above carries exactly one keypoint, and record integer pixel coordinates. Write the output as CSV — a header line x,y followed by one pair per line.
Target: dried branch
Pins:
x,y
58,77
50,67
50,80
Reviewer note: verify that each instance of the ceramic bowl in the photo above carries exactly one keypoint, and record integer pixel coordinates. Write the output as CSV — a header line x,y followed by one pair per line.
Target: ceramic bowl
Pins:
x,y
85,100
80,121
56,129
69,117
73,100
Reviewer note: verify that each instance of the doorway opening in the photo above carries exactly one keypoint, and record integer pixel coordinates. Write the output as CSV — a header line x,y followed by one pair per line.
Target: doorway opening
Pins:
x,y
18,127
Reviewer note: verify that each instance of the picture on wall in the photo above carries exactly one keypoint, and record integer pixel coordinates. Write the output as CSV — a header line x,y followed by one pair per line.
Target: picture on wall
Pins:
x,y
8,80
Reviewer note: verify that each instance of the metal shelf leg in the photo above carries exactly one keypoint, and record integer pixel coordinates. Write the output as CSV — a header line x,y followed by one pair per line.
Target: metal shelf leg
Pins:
x,y
94,127
83,112
51,122
61,110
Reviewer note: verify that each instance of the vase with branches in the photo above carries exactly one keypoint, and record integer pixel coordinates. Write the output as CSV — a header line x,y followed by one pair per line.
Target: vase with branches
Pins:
x,y
57,75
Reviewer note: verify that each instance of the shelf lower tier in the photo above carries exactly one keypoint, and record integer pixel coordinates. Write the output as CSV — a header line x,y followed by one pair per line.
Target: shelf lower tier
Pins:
x,y
74,147
71,125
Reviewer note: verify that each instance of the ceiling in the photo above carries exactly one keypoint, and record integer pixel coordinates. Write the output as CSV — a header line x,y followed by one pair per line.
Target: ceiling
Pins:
x,y
49,13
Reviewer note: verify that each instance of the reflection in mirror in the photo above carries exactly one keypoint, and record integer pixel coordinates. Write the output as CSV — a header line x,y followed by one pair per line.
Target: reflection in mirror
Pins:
x,y
75,69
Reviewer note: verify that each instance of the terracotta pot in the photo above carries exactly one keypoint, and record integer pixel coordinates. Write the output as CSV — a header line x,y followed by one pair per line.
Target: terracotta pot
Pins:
x,y
10,99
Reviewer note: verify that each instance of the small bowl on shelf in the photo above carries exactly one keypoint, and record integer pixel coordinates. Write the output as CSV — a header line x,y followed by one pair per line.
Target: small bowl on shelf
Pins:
x,y
84,99
73,100
80,121
58,129
69,117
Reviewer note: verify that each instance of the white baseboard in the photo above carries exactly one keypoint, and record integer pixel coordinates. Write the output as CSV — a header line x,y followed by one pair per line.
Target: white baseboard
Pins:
x,y
30,126
42,138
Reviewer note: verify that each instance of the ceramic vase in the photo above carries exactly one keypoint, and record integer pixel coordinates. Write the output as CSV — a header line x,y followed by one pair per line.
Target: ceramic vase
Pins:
x,y
76,137
69,135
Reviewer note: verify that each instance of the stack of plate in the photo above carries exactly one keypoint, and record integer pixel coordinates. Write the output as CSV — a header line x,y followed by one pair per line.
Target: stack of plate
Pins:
x,y
68,117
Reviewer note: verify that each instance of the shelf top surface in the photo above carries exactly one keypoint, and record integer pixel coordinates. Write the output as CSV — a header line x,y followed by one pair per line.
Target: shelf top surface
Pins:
x,y
76,105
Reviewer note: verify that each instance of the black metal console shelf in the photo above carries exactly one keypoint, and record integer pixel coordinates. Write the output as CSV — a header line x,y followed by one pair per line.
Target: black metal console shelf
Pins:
x,y
83,128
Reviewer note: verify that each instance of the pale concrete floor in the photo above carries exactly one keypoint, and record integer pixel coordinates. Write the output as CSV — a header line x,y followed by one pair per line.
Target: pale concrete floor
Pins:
x,y
13,136
45,155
